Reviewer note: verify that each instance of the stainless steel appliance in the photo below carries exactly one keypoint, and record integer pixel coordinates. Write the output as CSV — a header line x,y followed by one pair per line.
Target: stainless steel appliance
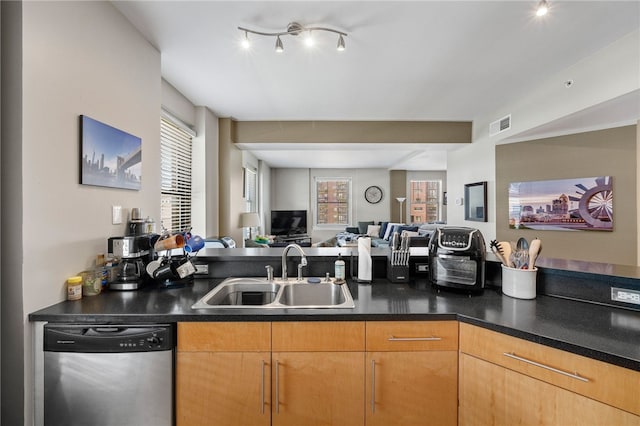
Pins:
x,y
134,253
108,375
457,258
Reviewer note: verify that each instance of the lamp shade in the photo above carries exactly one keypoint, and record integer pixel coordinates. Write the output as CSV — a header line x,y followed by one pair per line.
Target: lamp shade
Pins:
x,y
249,220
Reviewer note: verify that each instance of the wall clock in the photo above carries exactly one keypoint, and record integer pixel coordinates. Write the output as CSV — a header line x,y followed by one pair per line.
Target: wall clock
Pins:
x,y
373,194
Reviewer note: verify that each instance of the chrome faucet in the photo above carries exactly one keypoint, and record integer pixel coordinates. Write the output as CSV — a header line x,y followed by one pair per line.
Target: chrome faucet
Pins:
x,y
303,260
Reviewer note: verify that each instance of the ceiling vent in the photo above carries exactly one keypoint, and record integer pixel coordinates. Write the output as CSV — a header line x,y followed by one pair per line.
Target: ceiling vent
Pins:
x,y
500,126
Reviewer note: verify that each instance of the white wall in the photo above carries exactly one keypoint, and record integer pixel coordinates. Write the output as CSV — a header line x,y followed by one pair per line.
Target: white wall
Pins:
x,y
205,178
292,189
607,74
79,58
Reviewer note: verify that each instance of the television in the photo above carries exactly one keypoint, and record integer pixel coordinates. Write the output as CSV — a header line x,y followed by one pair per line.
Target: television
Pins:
x,y
288,222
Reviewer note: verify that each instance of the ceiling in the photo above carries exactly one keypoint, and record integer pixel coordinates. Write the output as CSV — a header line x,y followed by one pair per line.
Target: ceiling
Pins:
x,y
404,60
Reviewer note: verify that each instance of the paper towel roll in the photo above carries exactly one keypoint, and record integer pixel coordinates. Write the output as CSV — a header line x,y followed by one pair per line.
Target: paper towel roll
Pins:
x,y
364,259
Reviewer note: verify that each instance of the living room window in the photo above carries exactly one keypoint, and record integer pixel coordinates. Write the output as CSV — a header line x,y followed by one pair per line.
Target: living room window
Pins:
x,y
175,175
333,202
424,203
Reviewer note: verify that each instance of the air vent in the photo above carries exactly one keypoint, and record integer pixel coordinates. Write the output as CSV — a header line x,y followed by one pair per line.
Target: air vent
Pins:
x,y
500,126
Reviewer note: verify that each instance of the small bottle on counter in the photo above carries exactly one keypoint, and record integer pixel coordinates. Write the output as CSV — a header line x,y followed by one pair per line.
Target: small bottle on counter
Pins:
x,y
74,288
339,269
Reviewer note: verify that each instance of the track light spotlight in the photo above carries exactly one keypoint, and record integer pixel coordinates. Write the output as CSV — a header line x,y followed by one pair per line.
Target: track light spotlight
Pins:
x,y
294,29
543,8
245,41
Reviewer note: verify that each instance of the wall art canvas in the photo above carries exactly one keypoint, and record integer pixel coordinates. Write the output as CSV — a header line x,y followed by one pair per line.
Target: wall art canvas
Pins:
x,y
109,156
562,205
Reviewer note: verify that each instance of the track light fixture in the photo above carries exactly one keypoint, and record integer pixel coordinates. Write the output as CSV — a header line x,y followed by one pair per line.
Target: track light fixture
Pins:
x,y
543,8
293,29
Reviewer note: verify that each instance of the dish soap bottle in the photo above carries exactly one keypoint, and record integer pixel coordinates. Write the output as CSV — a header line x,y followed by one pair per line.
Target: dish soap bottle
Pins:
x,y
339,270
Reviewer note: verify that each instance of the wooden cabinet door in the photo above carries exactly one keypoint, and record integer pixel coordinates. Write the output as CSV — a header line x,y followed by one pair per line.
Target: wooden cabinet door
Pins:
x,y
412,388
318,388
493,395
223,388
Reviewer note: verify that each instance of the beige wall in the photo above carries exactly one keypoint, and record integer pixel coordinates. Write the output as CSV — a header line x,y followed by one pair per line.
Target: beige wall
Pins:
x,y
231,203
609,152
77,58
398,183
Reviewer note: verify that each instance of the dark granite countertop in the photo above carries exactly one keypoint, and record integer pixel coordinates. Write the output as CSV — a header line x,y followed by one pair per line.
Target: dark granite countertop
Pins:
x,y
604,333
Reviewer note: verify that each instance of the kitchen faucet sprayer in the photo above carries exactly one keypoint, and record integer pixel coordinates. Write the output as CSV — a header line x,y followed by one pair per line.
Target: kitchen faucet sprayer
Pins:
x,y
303,260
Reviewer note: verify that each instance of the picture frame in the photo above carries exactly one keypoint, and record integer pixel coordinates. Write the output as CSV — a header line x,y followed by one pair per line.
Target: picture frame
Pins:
x,y
475,201
109,157
570,204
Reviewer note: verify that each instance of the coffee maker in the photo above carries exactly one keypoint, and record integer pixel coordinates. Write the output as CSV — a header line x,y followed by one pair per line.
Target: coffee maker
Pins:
x,y
134,252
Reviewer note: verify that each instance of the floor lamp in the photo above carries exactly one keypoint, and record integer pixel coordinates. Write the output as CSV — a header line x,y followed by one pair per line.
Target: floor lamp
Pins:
x,y
401,201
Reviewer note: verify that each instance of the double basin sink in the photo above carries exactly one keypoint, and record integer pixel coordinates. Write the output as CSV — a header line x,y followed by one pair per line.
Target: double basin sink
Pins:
x,y
262,293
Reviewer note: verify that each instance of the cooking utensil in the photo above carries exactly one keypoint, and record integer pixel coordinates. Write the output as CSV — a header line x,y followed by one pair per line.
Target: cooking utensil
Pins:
x,y
534,250
522,244
495,248
505,249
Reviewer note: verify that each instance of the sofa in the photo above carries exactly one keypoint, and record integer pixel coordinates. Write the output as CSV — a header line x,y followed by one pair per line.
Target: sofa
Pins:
x,y
382,232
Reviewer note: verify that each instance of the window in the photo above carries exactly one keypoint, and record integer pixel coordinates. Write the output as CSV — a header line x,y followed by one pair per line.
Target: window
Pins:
x,y
250,196
175,175
333,201
424,203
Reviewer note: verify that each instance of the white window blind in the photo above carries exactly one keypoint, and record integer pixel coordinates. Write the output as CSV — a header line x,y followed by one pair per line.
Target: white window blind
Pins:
x,y
175,174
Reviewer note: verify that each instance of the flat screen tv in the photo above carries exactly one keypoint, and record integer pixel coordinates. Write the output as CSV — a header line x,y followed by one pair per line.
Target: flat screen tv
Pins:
x,y
288,222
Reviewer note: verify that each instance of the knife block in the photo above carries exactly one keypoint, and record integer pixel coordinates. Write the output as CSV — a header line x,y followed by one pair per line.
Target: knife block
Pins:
x,y
397,273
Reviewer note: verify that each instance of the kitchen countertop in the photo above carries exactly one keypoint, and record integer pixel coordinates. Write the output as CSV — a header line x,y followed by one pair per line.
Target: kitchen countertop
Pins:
x,y
604,333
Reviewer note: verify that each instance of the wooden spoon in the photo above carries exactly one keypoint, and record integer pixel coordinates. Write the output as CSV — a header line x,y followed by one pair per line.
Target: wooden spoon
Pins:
x,y
534,250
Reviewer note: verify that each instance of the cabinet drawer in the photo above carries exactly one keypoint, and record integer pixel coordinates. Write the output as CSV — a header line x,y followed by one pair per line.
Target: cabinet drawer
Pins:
x,y
412,335
318,336
613,385
224,336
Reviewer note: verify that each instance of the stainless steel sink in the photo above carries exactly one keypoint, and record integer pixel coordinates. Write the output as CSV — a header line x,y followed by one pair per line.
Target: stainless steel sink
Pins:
x,y
260,293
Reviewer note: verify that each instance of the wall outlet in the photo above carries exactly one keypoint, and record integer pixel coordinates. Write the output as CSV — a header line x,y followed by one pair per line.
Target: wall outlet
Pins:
x,y
116,215
625,295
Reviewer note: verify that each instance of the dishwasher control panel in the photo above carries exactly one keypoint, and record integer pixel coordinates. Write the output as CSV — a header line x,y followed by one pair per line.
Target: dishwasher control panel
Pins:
x,y
108,338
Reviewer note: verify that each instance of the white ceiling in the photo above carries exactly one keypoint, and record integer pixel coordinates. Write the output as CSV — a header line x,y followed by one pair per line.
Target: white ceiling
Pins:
x,y
404,60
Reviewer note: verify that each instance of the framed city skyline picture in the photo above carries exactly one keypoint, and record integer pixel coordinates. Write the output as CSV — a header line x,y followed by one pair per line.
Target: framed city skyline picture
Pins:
x,y
108,156
562,205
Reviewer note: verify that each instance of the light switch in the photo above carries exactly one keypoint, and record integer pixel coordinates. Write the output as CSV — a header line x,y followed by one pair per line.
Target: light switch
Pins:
x,y
116,215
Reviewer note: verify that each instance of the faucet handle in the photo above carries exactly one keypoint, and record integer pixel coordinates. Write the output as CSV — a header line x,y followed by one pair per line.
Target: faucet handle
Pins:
x,y
269,269
300,266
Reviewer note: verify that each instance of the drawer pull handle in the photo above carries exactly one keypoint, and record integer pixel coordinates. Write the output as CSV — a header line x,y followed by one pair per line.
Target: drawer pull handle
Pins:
x,y
546,367
413,339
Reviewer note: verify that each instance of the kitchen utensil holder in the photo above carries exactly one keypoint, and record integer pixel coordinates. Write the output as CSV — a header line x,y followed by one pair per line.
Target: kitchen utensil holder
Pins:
x,y
519,283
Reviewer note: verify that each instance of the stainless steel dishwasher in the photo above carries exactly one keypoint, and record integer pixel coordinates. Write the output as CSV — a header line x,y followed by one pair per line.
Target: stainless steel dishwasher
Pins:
x,y
108,375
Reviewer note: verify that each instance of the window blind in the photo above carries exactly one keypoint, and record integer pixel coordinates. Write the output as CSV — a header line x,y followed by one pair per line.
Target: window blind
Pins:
x,y
175,175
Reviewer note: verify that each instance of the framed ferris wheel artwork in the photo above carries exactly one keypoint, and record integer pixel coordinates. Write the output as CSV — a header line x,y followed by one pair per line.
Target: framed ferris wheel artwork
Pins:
x,y
580,204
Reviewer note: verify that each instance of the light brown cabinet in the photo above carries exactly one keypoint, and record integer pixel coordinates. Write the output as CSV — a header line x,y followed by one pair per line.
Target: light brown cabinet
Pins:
x,y
243,374
223,374
510,381
318,373
411,374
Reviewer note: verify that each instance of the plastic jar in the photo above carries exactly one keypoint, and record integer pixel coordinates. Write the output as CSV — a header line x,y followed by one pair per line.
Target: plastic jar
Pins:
x,y
74,288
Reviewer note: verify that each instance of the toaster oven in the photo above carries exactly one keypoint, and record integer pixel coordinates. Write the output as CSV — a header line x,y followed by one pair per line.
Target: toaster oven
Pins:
x,y
457,258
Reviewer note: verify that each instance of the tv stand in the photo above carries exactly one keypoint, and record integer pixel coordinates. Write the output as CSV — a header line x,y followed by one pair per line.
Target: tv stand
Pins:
x,y
302,240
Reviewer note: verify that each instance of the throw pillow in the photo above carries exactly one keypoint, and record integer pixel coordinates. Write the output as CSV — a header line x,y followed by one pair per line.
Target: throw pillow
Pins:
x,y
390,230
383,229
362,226
373,231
